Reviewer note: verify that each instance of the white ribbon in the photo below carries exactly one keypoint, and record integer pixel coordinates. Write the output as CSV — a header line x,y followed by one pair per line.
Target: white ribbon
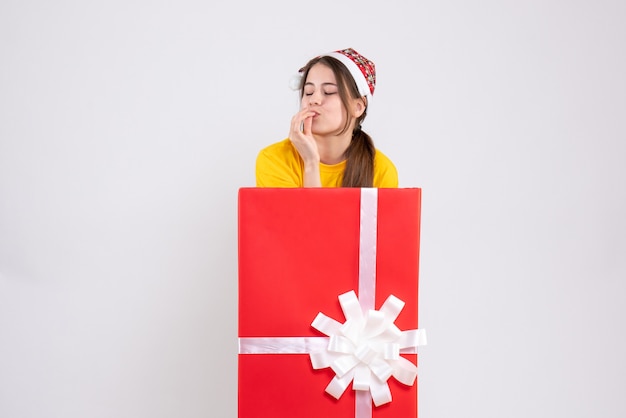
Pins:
x,y
366,348
367,248
281,345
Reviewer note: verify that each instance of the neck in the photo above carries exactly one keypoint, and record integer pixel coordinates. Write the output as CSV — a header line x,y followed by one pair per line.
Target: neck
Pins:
x,y
332,148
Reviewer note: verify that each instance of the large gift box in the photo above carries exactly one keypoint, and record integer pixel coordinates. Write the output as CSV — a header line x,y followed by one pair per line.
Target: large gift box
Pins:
x,y
328,291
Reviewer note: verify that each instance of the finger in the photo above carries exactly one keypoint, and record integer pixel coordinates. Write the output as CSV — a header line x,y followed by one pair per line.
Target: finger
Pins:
x,y
306,126
295,124
298,119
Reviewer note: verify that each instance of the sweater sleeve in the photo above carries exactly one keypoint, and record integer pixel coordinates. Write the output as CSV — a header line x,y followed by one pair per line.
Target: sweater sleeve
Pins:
x,y
275,169
385,173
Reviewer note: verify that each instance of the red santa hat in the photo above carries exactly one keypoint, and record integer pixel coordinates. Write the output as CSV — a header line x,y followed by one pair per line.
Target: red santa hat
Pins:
x,y
363,71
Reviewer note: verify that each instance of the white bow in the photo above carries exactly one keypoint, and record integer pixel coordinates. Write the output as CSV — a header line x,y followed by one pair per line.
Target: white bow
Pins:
x,y
365,350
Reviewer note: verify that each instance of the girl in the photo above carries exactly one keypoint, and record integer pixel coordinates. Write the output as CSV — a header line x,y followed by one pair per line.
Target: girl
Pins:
x,y
326,145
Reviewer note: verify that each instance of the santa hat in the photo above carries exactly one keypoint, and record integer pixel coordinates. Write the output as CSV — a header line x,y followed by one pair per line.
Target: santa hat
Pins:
x,y
362,70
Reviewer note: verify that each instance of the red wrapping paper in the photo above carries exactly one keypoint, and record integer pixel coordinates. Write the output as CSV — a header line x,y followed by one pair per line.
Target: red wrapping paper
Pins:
x,y
299,250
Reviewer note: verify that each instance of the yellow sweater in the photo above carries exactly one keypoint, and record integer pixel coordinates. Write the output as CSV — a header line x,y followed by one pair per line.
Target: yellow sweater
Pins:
x,y
280,165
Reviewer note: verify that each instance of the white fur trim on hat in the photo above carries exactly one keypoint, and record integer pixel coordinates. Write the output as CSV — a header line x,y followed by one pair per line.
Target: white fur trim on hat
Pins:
x,y
355,71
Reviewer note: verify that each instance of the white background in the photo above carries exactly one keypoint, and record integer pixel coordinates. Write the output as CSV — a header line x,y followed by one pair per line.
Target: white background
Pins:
x,y
127,127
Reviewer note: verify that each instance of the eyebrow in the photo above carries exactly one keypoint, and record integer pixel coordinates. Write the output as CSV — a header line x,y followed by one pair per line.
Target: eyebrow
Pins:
x,y
323,84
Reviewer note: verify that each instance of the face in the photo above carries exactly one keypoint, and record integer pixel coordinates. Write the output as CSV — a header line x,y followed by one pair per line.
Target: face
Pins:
x,y
321,95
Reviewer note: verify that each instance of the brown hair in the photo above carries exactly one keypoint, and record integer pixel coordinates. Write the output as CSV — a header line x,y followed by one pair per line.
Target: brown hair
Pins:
x,y
359,170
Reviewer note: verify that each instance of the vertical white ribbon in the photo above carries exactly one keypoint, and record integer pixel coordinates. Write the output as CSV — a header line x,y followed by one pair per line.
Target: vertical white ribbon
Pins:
x,y
367,248
367,277
362,404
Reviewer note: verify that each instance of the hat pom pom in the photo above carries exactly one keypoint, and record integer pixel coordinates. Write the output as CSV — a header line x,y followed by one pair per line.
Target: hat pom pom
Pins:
x,y
295,81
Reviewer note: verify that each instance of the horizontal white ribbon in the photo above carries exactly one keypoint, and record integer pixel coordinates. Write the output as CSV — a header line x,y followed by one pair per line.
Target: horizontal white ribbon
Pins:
x,y
306,345
281,345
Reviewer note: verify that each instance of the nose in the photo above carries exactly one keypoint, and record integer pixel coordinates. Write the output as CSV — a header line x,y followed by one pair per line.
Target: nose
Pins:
x,y
315,98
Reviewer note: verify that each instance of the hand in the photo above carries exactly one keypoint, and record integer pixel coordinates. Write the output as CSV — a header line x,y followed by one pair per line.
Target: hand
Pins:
x,y
302,138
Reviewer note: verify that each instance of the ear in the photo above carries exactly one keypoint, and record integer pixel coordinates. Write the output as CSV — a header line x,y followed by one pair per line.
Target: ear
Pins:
x,y
359,106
